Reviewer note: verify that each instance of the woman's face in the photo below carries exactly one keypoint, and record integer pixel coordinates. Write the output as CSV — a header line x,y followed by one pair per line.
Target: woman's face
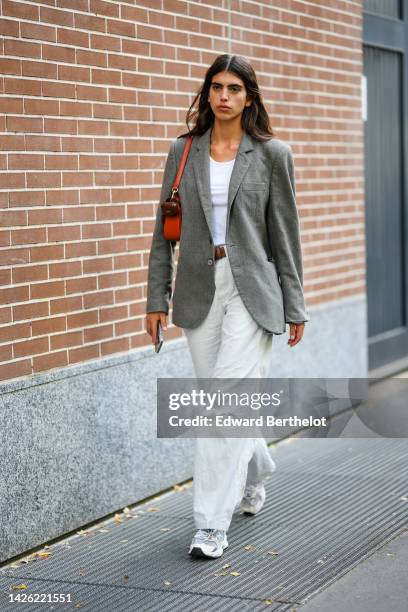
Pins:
x,y
227,96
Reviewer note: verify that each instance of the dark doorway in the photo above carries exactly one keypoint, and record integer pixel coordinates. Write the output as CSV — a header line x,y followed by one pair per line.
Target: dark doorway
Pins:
x,y
385,133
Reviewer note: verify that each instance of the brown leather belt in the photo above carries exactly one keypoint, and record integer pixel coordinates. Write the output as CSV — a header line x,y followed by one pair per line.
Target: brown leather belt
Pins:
x,y
219,251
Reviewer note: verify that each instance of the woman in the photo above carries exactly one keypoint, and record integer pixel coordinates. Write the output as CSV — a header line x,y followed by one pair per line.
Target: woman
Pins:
x,y
239,275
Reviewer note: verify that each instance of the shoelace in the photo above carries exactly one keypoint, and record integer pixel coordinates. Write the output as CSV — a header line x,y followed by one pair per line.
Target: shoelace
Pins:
x,y
249,491
206,534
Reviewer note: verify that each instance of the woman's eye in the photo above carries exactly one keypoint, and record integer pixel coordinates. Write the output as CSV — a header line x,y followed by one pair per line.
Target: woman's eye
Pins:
x,y
233,88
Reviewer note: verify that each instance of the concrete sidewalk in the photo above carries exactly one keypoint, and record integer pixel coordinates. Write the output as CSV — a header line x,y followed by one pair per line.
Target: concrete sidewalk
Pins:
x,y
332,504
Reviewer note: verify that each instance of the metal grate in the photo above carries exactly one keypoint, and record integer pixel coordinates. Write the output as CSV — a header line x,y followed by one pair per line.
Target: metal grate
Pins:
x,y
330,504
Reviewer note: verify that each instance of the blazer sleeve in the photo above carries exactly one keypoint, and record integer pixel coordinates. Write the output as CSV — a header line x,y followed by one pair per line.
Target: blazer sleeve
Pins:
x,y
161,256
283,231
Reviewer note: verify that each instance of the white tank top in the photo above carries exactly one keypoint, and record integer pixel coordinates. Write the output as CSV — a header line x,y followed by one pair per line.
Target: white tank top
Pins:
x,y
220,174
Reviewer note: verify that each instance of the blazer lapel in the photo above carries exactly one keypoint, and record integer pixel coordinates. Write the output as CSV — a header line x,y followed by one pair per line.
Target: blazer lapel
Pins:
x,y
201,165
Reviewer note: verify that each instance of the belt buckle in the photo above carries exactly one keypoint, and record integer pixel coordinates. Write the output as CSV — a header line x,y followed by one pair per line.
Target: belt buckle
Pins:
x,y
219,251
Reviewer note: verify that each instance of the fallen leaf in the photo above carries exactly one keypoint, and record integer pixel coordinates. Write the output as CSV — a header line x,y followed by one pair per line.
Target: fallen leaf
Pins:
x,y
272,552
182,487
235,573
250,547
117,518
43,555
226,565
82,532
124,541
126,577
153,509
104,530
19,586
268,602
127,512
165,529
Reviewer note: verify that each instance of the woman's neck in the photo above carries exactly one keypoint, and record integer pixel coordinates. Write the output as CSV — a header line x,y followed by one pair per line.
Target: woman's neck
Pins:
x,y
225,140
226,134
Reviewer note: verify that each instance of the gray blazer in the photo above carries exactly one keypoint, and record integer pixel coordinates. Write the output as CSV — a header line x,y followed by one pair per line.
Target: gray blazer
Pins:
x,y
262,237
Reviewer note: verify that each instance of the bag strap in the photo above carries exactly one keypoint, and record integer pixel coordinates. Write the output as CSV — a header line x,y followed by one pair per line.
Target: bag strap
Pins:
x,y
187,147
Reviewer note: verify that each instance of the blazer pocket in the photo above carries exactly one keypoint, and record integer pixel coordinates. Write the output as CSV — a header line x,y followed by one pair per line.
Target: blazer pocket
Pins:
x,y
272,260
250,186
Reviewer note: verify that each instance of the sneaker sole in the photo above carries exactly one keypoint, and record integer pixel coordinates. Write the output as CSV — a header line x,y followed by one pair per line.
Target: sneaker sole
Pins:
x,y
199,553
249,512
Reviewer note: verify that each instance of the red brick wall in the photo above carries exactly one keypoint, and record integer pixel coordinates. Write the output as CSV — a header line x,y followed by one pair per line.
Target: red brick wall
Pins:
x,y
92,94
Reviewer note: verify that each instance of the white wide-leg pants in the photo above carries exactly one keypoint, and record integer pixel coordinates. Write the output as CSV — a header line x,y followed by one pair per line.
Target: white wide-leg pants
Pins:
x,y
227,344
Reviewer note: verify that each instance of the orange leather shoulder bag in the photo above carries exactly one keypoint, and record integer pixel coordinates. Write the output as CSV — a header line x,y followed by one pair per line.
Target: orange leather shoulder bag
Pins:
x,y
171,208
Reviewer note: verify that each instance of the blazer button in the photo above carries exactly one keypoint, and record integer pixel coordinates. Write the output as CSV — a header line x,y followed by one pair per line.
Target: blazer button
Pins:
x,y
210,262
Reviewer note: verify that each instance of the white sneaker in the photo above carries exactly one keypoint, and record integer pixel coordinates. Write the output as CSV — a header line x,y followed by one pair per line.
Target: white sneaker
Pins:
x,y
208,543
253,499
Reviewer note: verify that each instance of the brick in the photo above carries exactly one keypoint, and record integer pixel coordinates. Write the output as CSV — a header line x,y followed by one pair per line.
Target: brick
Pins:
x,y
108,43
98,298
81,285
23,161
8,27
38,32
15,332
46,70
16,369
48,325
20,10
64,269
21,48
84,353
47,253
28,236
90,22
24,124
10,66
80,249
56,53
12,295
58,17
112,280
34,346
82,319
115,346
66,36
56,359
25,274
93,334
63,305
113,314
39,291
65,340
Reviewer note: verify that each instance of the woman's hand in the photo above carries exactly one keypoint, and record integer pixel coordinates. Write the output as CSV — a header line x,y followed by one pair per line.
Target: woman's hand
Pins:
x,y
296,333
152,318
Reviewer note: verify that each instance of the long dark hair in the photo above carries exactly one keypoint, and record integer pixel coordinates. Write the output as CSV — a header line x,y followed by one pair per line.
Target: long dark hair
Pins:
x,y
254,118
